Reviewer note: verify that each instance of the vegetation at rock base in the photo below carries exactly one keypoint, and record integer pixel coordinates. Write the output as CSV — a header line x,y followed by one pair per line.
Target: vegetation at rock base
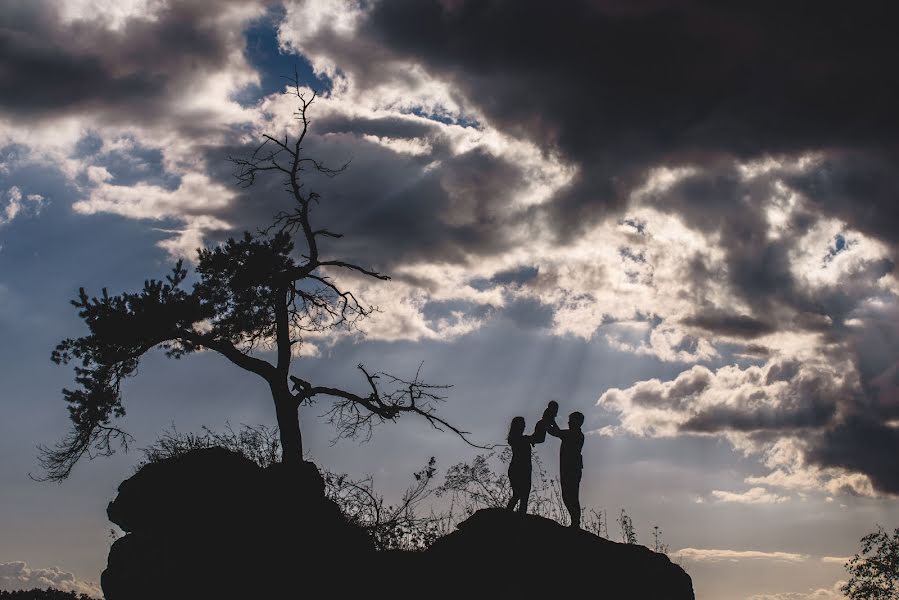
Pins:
x,y
426,510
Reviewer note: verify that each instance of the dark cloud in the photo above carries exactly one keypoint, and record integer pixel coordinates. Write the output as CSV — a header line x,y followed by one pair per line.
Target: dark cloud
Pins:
x,y
753,414
690,383
861,445
857,186
728,324
391,207
718,201
782,371
49,67
390,127
618,89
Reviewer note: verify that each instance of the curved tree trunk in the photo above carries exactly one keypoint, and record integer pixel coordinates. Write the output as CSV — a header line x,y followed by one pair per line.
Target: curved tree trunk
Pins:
x,y
287,411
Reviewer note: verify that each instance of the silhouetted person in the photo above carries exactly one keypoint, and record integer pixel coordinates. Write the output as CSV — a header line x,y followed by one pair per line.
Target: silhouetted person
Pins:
x,y
548,420
520,466
571,464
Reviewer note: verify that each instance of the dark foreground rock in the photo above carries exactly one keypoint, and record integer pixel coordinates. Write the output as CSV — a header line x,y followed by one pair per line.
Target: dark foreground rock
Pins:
x,y
212,524
529,556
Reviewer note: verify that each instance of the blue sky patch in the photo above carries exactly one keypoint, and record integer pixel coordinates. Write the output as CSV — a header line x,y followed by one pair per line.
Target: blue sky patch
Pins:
x,y
275,67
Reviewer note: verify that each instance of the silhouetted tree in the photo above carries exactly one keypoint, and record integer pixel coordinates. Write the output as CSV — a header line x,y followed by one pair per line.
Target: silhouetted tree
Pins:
x,y
874,573
252,294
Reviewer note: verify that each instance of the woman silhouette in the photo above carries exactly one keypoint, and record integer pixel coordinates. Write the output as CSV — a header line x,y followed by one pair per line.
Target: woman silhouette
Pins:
x,y
520,465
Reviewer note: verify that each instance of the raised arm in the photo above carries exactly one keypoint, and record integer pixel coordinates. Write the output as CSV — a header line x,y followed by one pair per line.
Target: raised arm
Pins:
x,y
553,430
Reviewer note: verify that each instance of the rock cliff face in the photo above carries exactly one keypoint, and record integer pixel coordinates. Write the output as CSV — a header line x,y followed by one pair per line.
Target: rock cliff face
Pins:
x,y
212,524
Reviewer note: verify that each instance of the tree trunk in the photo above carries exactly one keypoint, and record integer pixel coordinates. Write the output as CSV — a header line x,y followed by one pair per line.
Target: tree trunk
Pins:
x,y
287,411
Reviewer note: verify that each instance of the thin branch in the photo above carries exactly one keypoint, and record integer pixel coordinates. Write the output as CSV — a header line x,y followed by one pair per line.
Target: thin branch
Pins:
x,y
352,267
415,397
57,462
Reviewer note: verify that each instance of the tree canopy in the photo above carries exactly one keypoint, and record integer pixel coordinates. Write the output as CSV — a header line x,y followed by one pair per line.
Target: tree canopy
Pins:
x,y
874,573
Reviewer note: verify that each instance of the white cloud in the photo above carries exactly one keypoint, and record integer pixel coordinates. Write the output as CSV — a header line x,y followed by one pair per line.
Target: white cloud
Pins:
x,y
756,495
831,593
720,555
761,410
17,204
839,560
19,576
196,195
113,13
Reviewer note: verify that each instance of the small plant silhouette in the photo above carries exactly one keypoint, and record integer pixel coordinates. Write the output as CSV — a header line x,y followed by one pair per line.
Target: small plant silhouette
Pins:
x,y
657,544
626,524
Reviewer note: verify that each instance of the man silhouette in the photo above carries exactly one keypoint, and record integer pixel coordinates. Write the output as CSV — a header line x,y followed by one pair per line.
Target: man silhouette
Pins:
x,y
571,464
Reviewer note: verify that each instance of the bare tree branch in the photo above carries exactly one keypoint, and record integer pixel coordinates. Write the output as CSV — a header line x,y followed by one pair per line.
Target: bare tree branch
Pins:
x,y
406,396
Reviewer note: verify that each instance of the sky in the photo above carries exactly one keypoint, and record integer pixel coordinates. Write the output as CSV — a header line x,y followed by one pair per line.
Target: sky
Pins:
x,y
677,217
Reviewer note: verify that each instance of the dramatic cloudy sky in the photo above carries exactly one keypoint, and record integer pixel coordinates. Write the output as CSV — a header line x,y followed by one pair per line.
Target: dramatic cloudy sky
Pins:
x,y
676,217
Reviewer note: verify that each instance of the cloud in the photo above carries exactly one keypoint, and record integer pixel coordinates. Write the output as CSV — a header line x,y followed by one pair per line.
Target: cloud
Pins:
x,y
839,560
799,416
708,98
124,65
19,576
830,593
730,399
18,204
728,324
719,555
756,495
191,204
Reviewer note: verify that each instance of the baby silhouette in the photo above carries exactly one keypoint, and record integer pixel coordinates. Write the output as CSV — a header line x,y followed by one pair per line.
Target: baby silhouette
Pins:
x,y
548,420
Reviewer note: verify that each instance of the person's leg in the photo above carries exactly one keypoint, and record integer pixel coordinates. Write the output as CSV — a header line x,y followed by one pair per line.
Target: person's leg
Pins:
x,y
576,499
513,483
566,499
523,507
524,493
571,483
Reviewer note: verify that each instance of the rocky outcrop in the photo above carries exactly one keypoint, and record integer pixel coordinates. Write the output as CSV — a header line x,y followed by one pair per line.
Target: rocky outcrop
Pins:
x,y
529,556
211,524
